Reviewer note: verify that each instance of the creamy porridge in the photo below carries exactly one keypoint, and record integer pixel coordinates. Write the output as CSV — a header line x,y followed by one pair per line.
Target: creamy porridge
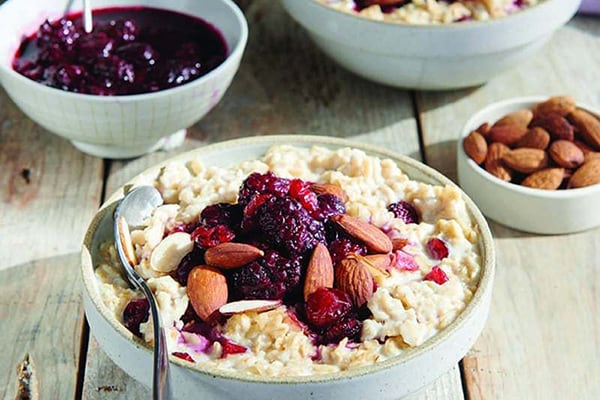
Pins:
x,y
347,262
430,11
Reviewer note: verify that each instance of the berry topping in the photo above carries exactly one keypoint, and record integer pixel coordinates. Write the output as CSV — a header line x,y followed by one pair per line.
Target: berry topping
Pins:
x,y
288,226
325,307
344,328
231,348
301,192
183,356
329,205
437,275
188,262
404,261
267,183
342,247
405,211
221,214
270,277
134,314
437,248
210,237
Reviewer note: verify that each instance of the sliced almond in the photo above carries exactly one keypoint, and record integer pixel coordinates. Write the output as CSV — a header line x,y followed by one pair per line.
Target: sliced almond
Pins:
x,y
207,290
399,243
370,235
232,255
328,188
126,243
319,272
353,277
170,251
243,306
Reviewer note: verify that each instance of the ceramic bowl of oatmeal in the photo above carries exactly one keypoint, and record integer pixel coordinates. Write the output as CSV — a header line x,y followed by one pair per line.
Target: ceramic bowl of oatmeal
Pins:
x,y
295,267
430,44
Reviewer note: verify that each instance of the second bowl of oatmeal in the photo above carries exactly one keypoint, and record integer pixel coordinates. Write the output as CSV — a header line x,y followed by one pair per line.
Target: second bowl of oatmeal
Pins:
x,y
430,44
425,270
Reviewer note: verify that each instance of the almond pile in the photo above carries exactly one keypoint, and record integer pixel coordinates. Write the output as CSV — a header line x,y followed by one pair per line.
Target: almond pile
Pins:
x,y
554,145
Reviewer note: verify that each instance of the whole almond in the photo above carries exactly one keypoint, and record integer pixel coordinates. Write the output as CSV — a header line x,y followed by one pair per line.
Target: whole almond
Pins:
x,y
548,179
535,138
371,236
232,255
520,118
556,125
353,277
484,129
319,272
588,126
566,154
593,155
586,175
526,160
476,147
207,290
561,105
508,134
493,162
328,188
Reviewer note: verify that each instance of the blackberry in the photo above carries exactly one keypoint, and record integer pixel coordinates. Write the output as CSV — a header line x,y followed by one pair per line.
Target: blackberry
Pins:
x,y
258,183
221,214
329,205
189,261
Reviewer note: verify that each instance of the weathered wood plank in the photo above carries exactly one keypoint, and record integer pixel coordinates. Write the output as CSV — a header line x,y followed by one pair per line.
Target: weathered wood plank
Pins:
x,y
40,320
48,190
542,340
284,85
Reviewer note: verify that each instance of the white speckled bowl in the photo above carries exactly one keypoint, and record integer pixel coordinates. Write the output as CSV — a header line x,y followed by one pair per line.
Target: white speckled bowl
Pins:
x,y
118,126
519,207
430,56
387,380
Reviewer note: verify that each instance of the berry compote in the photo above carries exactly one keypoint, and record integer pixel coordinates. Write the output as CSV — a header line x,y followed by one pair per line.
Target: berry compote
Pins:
x,y
131,50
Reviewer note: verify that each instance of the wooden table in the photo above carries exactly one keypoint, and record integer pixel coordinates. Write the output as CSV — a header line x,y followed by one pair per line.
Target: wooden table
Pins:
x,y
542,340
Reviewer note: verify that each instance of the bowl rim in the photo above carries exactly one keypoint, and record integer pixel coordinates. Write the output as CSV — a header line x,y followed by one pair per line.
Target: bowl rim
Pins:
x,y
486,248
465,25
518,103
233,54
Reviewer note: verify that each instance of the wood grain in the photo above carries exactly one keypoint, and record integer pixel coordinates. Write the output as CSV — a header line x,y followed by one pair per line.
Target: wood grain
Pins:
x,y
542,340
48,190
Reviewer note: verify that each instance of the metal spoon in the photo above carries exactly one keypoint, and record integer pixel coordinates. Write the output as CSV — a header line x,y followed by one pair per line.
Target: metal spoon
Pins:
x,y
87,16
132,211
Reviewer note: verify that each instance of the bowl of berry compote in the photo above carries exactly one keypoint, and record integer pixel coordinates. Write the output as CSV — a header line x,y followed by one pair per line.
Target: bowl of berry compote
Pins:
x,y
145,72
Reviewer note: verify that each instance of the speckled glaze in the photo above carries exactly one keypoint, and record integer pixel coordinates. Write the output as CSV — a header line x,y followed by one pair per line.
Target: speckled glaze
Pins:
x,y
520,207
123,126
391,379
430,56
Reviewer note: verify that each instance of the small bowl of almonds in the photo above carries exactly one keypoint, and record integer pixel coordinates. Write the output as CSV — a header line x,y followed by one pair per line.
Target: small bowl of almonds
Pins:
x,y
533,163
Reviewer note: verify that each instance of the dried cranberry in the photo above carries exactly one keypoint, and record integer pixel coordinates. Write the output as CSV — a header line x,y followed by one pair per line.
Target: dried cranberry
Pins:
x,y
270,277
288,226
258,183
249,221
329,205
345,328
325,307
404,261
134,314
210,237
183,356
437,248
301,192
342,247
231,348
404,211
437,275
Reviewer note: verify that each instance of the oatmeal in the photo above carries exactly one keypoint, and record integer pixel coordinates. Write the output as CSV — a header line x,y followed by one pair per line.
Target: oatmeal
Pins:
x,y
306,261
430,11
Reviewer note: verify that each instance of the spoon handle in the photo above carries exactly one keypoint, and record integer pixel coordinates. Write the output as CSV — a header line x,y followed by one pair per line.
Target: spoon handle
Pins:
x,y
87,16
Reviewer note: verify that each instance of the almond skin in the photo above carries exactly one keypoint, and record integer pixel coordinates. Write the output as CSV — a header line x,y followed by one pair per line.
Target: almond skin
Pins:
x,y
561,105
508,134
476,147
370,235
232,255
484,129
588,126
548,179
591,156
535,138
399,243
493,162
520,118
328,188
566,154
207,290
354,278
526,160
586,175
319,272
556,125
584,147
